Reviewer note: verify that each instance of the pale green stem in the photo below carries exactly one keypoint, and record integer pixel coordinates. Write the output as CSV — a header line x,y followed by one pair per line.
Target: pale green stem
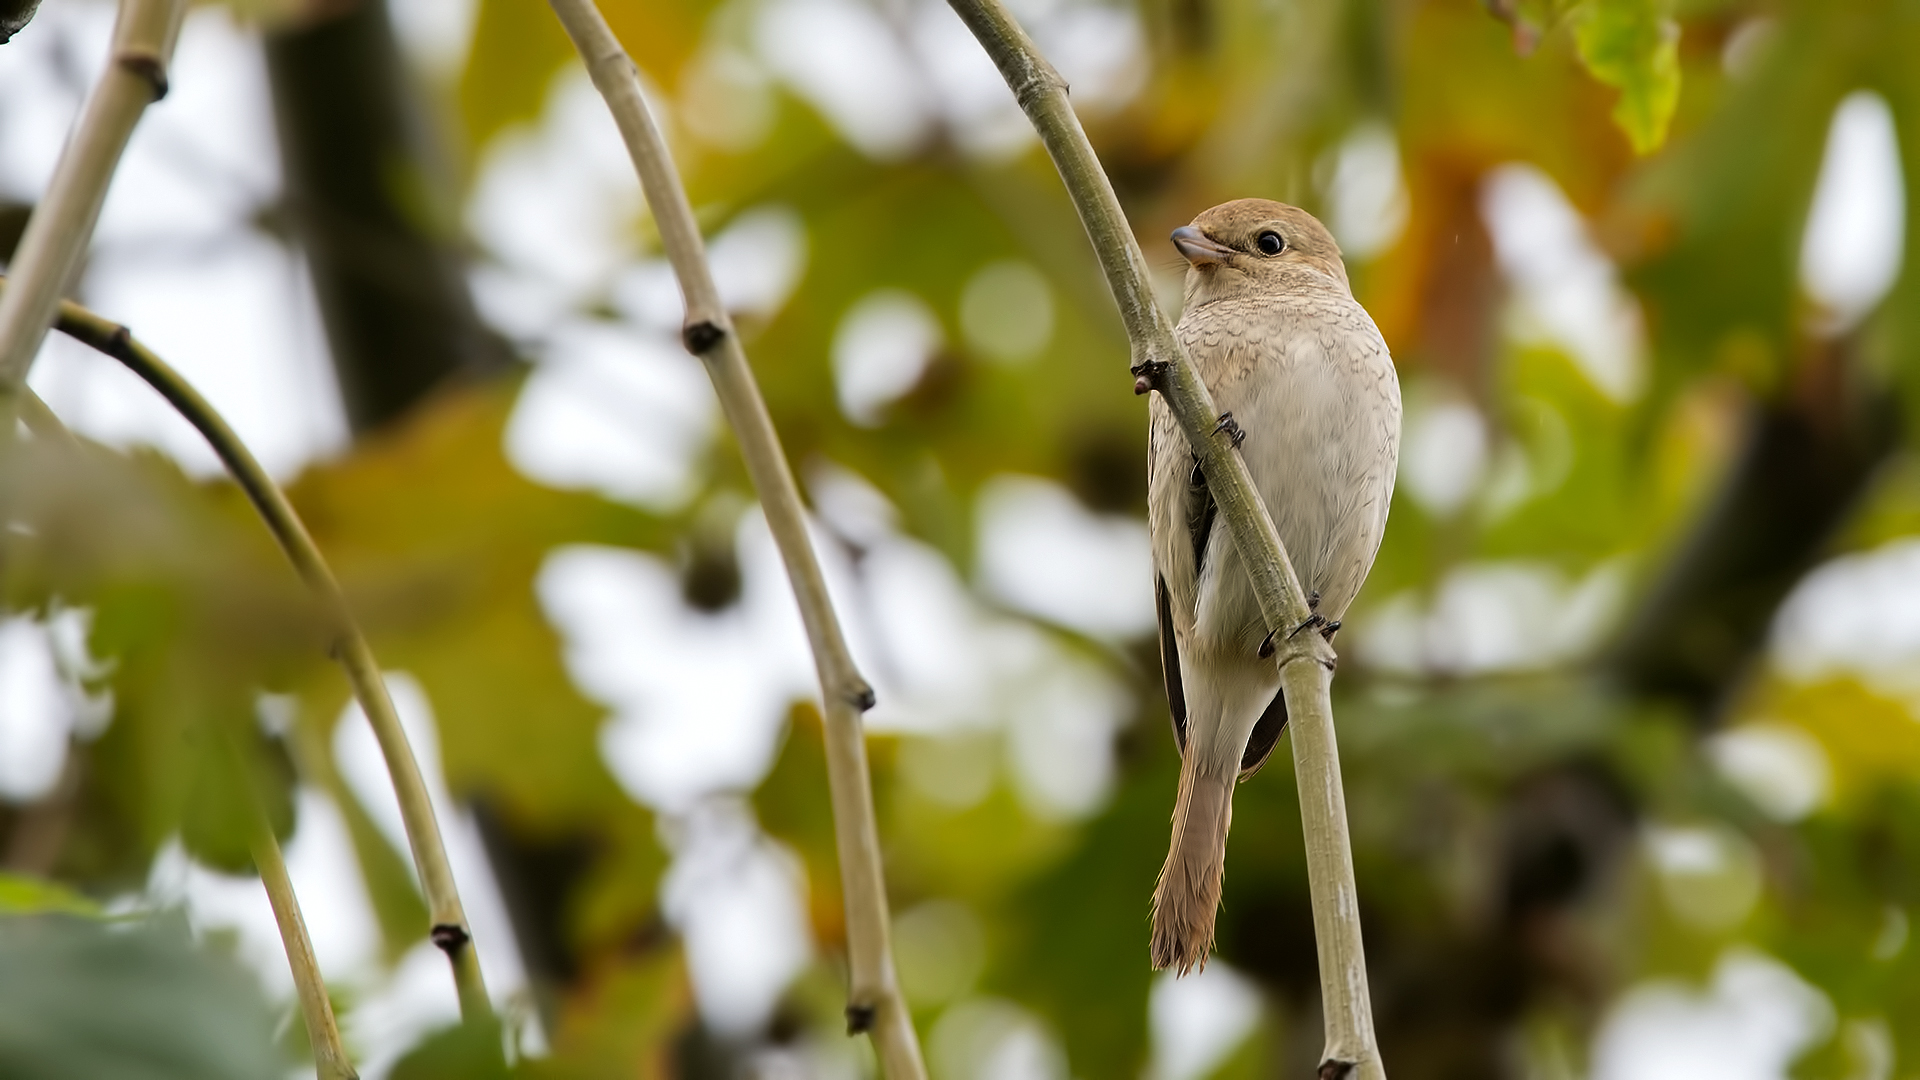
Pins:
x,y
875,1003
449,929
61,227
1306,660
330,1061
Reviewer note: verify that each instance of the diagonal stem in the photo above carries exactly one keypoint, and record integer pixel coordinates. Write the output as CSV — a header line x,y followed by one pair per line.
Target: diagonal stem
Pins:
x,y
330,1059
1306,661
61,227
449,930
875,1004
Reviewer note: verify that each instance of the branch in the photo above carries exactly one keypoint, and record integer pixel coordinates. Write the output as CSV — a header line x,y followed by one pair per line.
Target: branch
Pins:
x,y
1306,661
57,234
323,1033
875,1003
330,1059
450,930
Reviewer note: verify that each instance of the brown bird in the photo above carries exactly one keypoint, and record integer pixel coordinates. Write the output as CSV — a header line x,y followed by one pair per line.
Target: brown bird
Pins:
x,y
1273,329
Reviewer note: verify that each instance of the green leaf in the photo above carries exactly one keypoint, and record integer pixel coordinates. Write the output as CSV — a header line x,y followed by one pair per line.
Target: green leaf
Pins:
x,y
472,1051
1634,47
81,998
22,895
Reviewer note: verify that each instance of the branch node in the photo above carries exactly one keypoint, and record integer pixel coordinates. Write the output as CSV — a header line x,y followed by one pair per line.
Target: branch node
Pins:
x,y
860,1019
1149,375
120,344
701,336
860,696
148,65
1332,1069
1041,81
449,938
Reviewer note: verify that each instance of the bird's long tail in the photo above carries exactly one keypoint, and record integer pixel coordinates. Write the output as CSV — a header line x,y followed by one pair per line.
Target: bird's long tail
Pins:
x,y
1188,896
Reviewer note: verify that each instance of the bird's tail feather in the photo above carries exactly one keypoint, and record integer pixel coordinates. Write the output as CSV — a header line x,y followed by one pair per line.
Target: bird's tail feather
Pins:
x,y
1188,896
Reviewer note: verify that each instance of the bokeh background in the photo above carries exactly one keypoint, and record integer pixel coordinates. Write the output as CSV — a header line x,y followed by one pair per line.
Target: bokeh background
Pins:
x,y
1628,710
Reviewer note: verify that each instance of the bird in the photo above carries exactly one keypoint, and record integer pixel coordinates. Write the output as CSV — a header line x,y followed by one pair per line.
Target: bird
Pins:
x,y
1309,393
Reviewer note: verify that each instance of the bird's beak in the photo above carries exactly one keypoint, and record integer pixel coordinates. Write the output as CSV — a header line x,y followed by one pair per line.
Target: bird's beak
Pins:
x,y
1199,248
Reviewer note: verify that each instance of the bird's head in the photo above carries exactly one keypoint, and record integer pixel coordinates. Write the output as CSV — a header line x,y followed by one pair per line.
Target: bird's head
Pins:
x,y
1257,247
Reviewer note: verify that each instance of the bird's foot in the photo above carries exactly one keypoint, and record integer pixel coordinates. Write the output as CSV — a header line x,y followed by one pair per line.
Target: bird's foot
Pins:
x,y
1312,621
1313,600
1330,629
1231,427
1266,644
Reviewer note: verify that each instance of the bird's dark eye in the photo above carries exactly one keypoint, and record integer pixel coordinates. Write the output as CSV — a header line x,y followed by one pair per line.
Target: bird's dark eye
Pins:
x,y
1270,243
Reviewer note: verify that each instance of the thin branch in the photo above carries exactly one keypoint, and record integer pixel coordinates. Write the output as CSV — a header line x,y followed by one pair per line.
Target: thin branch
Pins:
x,y
450,930
61,227
316,1007
330,1061
875,1003
1306,661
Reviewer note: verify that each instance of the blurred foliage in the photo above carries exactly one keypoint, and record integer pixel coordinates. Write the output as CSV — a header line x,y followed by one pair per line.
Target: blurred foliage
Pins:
x,y
80,997
1507,820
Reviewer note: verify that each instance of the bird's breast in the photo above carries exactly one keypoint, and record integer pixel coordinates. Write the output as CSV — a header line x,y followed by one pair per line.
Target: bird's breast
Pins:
x,y
1310,382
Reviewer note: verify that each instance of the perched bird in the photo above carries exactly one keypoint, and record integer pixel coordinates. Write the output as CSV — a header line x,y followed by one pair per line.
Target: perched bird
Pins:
x,y
1273,329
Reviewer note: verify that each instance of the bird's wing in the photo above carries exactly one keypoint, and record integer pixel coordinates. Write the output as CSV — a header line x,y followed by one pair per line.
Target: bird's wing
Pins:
x,y
1170,663
1200,512
1266,735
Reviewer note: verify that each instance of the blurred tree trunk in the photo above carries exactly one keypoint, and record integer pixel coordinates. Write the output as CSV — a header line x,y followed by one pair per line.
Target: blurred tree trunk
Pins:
x,y
1807,459
377,216
375,212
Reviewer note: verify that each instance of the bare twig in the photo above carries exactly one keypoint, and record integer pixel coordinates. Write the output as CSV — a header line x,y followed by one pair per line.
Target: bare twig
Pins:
x,y
449,928
330,1061
42,828
1306,661
875,1003
62,225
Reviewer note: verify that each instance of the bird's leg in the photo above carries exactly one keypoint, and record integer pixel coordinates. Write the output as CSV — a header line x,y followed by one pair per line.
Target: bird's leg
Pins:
x,y
1232,427
1326,628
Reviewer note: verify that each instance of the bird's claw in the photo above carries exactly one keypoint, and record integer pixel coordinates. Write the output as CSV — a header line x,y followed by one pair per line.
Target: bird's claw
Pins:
x,y
1312,621
1232,428
1327,630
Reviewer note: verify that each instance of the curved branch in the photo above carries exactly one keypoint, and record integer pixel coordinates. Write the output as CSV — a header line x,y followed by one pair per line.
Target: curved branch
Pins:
x,y
1306,662
450,930
62,225
875,1003
330,1058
